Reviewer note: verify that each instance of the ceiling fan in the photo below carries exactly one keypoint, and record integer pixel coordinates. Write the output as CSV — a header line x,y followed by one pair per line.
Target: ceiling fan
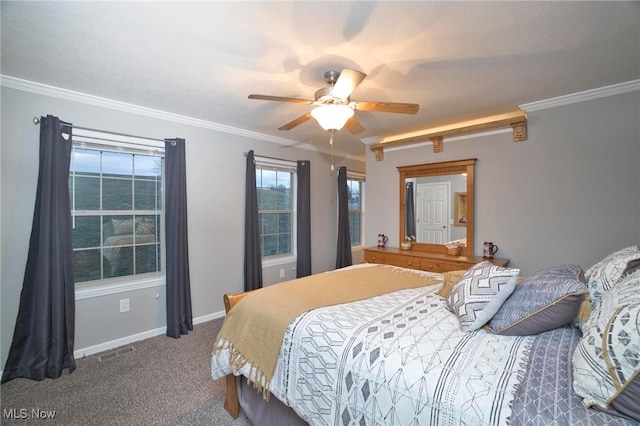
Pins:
x,y
334,107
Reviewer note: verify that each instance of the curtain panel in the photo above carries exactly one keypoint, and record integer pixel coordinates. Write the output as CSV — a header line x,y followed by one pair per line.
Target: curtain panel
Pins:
x,y
410,219
178,286
43,339
252,256
343,257
303,266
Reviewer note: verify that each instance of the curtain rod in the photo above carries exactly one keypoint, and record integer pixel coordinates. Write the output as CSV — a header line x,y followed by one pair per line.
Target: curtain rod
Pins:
x,y
280,159
269,158
36,120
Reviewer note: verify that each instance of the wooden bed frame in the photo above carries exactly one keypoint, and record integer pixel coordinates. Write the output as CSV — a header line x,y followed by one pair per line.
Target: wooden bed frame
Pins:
x,y
231,402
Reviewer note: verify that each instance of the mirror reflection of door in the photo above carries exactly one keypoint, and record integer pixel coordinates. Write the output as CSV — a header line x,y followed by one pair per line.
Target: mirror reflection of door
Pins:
x,y
432,212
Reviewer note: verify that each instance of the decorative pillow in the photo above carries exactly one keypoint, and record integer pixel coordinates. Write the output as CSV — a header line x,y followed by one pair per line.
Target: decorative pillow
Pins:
x,y
451,278
480,293
632,266
606,362
122,226
604,274
546,300
624,292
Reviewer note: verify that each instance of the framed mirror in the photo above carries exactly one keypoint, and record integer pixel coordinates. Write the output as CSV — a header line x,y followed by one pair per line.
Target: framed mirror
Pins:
x,y
437,205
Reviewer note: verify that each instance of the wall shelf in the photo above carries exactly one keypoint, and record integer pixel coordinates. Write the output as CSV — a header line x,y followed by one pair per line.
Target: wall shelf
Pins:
x,y
517,120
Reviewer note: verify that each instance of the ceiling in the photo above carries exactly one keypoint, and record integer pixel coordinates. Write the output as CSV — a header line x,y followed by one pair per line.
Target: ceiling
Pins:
x,y
457,60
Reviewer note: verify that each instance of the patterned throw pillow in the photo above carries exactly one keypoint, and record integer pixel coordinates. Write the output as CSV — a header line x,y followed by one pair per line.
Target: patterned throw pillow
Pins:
x,y
480,293
546,300
606,362
604,274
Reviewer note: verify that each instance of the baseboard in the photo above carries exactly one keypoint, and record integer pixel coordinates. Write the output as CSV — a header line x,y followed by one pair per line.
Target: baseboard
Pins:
x,y
90,350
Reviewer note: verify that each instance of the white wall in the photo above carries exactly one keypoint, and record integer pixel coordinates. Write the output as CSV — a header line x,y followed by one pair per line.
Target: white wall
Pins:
x,y
215,186
569,194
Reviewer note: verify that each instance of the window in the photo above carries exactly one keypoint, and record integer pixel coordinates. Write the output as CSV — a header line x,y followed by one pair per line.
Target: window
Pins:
x,y
355,192
117,207
276,218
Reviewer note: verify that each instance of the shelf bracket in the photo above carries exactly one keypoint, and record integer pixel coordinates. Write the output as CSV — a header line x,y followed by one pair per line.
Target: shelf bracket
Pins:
x,y
438,145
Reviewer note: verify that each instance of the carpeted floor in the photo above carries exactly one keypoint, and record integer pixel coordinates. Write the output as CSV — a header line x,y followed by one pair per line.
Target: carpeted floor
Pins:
x,y
163,381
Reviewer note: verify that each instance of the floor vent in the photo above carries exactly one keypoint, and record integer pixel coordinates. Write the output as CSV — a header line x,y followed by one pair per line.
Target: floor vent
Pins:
x,y
114,354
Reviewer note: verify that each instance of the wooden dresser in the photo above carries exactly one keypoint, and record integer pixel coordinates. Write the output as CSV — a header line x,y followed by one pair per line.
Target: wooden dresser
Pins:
x,y
432,262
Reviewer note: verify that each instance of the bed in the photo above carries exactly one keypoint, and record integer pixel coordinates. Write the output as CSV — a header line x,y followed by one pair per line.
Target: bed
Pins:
x,y
412,353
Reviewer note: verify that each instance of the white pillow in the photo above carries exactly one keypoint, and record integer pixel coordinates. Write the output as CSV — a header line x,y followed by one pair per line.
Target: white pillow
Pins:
x,y
606,362
480,292
604,274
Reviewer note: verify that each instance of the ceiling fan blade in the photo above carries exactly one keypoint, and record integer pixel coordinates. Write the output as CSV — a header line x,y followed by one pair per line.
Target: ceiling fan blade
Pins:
x,y
281,99
296,122
347,83
354,126
387,107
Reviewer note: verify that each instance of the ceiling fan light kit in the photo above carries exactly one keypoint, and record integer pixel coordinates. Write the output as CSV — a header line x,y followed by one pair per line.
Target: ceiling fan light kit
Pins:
x,y
332,117
334,107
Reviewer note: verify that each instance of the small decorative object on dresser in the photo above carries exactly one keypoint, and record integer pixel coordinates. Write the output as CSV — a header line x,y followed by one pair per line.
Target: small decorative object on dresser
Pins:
x,y
406,244
489,249
453,249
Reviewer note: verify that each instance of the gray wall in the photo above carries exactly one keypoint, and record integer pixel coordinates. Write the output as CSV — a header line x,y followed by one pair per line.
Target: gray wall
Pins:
x,y
569,194
215,185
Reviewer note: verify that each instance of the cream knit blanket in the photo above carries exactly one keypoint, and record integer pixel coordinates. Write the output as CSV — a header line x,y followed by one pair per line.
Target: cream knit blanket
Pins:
x,y
254,329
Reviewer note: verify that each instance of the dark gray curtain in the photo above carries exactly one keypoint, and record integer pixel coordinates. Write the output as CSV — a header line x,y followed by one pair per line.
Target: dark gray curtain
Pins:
x,y
179,316
343,257
410,210
43,338
303,267
252,258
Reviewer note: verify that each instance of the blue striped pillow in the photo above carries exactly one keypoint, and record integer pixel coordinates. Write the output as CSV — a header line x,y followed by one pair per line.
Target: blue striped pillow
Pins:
x,y
546,300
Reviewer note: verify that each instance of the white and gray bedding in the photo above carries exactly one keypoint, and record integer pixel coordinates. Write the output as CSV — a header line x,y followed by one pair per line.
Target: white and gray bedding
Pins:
x,y
402,359
545,395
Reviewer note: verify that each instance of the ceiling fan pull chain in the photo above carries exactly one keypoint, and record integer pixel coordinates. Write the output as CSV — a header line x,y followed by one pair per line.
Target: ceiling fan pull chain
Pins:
x,y
331,132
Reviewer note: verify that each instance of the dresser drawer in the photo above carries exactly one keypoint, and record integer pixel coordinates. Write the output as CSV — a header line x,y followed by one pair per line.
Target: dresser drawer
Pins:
x,y
393,259
370,257
437,265
404,261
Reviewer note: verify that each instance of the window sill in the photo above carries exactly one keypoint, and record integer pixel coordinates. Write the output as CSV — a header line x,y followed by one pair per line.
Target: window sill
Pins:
x,y
279,261
89,291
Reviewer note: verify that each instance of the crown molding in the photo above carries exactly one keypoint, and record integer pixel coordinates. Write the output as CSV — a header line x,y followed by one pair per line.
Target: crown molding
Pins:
x,y
370,140
587,95
70,95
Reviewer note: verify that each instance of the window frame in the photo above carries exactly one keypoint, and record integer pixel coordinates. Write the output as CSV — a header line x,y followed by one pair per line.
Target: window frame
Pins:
x,y
104,141
267,163
359,177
